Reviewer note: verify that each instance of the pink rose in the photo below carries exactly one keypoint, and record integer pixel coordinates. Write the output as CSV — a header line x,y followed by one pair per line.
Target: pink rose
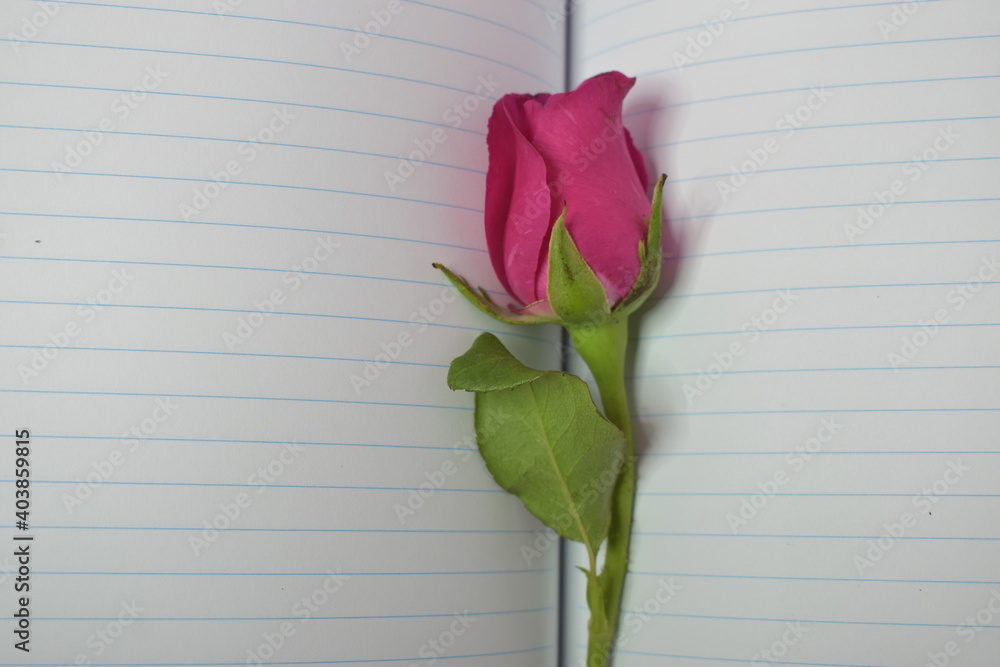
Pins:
x,y
566,184
575,239
571,149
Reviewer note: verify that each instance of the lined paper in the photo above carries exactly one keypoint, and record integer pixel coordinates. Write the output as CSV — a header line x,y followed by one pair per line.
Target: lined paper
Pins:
x,y
225,337
816,390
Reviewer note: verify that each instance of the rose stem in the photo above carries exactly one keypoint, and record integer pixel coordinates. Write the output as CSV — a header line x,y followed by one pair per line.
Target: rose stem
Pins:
x,y
603,348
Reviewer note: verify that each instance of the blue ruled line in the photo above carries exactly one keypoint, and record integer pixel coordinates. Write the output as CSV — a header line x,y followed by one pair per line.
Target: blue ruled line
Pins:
x,y
809,288
802,329
813,128
836,246
227,397
759,536
226,98
298,618
274,662
780,494
734,19
813,370
475,573
247,183
240,140
743,660
230,354
227,441
269,61
753,619
811,49
850,580
859,84
675,181
64,216
261,487
812,412
240,311
185,265
198,529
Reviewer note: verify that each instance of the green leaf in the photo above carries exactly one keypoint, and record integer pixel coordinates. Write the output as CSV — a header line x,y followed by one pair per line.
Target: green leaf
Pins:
x,y
555,452
543,439
650,256
489,366
481,300
575,293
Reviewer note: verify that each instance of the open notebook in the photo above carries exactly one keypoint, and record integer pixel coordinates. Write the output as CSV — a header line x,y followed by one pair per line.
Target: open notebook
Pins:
x,y
223,335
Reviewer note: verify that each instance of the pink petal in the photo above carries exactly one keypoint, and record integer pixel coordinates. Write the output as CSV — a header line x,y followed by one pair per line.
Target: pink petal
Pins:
x,y
638,160
600,174
517,200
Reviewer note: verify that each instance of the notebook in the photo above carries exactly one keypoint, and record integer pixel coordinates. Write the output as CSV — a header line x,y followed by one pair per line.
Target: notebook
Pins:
x,y
225,347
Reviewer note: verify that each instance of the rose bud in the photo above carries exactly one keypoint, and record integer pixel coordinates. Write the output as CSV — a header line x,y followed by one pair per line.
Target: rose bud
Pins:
x,y
566,208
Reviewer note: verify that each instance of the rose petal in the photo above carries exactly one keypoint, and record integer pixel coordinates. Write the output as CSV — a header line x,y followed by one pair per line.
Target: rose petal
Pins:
x,y
500,182
597,172
517,200
638,160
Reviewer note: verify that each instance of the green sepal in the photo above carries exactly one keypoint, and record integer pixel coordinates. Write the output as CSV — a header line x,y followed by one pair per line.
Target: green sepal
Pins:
x,y
650,256
481,300
543,440
575,293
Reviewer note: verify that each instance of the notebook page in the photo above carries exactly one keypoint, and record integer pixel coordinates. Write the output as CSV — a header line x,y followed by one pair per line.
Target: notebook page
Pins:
x,y
225,341
816,392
